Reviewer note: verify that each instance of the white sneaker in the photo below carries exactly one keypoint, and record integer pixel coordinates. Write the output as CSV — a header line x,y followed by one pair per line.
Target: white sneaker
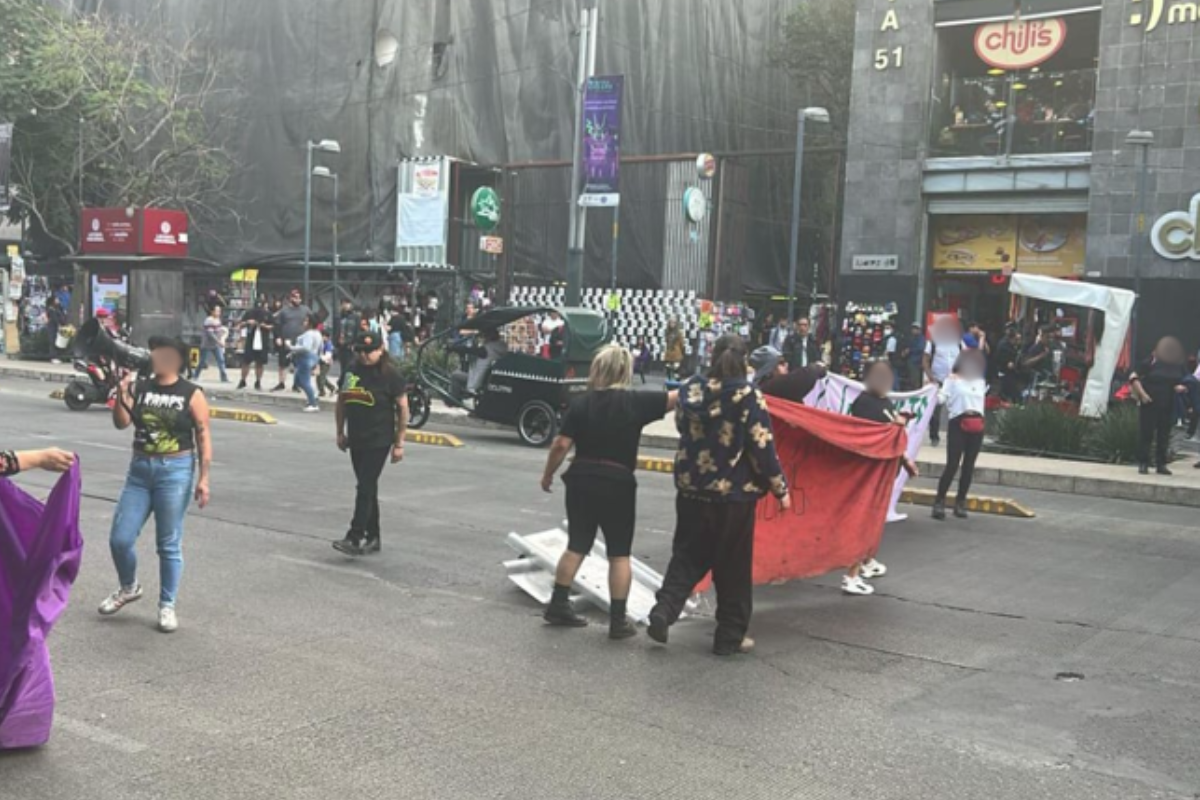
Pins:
x,y
311,409
119,599
872,569
167,621
856,586
893,517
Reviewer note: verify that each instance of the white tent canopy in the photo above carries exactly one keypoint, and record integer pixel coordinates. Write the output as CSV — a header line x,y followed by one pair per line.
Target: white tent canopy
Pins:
x,y
1117,305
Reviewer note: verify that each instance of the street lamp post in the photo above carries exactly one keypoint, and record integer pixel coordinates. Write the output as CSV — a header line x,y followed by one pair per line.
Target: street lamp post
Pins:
x,y
815,115
325,146
324,172
1142,141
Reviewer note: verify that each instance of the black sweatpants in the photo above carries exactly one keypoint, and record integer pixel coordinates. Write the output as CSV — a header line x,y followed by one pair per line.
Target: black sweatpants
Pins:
x,y
717,537
1155,421
962,448
368,466
935,424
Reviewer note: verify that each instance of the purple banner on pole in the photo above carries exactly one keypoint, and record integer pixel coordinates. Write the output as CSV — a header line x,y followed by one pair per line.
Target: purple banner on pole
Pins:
x,y
602,136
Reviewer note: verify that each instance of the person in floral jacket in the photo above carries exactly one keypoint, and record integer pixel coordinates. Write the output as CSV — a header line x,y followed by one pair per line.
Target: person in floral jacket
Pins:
x,y
725,464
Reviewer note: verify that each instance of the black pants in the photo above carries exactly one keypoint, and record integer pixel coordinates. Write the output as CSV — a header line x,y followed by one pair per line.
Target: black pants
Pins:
x,y
368,466
598,503
1155,421
717,537
935,424
345,357
963,448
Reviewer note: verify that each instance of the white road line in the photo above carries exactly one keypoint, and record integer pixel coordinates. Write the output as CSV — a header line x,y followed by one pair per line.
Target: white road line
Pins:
x,y
98,735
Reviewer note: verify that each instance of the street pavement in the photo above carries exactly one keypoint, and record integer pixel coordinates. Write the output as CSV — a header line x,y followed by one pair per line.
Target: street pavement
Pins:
x,y
422,673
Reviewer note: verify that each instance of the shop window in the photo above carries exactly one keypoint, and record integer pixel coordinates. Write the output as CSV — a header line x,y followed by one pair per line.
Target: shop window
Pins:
x,y
1016,88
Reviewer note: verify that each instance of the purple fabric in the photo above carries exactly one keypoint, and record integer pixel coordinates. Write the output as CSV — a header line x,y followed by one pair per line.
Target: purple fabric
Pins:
x,y
40,551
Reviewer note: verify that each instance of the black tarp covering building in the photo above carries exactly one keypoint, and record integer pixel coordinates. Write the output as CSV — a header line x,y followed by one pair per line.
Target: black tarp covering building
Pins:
x,y
485,81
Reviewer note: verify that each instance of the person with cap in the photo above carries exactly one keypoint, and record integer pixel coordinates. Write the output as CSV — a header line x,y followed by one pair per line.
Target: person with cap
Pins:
x,y
774,378
172,448
1008,364
289,324
372,418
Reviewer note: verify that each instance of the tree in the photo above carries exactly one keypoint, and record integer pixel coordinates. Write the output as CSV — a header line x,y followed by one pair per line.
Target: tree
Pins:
x,y
817,49
109,112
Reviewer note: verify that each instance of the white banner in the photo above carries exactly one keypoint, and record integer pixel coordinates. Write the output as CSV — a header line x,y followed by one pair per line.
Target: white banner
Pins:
x,y
836,393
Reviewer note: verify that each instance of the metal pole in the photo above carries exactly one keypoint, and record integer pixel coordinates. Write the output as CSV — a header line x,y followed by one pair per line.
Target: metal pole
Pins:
x,y
1139,237
577,230
336,224
616,239
308,176
795,254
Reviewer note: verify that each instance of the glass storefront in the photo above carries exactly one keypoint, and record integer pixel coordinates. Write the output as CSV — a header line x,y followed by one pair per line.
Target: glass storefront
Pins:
x,y
1016,88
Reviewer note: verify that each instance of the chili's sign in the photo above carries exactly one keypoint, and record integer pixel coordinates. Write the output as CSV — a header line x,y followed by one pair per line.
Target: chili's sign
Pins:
x,y
1153,13
1177,235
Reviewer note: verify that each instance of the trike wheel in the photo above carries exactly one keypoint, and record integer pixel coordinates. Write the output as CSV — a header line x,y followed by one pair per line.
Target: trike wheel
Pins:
x,y
418,408
77,396
537,424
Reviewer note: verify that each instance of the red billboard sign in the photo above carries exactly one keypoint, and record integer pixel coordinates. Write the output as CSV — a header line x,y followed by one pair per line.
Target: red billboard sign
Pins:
x,y
134,231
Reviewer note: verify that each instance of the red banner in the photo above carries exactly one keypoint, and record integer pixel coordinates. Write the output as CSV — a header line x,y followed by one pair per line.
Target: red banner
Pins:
x,y
164,232
134,231
841,471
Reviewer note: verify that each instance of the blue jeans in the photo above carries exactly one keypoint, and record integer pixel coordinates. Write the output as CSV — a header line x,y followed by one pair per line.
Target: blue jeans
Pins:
x,y
396,346
1189,401
218,354
162,486
305,362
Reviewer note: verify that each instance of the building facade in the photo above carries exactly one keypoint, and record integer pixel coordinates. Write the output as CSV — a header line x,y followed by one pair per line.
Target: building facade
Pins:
x,y
989,137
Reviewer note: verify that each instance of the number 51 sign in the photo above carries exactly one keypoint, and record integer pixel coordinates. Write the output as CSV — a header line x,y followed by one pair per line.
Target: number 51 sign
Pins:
x,y
890,57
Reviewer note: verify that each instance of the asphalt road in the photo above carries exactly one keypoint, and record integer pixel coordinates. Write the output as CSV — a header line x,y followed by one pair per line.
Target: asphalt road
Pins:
x,y
422,673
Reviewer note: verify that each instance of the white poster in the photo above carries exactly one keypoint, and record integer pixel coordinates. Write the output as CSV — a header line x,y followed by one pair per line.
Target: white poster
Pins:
x,y
836,393
426,179
421,221
110,292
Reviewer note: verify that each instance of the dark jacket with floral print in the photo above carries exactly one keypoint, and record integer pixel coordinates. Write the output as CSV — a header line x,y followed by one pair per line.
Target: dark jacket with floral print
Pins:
x,y
726,447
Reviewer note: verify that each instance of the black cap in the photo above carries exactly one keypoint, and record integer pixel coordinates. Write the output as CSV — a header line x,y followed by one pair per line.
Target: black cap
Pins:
x,y
367,342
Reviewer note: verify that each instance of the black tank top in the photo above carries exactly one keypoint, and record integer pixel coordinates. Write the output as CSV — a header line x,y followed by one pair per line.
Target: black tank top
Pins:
x,y
162,418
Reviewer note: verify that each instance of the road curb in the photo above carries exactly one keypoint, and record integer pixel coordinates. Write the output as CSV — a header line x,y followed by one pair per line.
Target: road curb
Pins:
x,y
998,506
435,439
656,464
237,415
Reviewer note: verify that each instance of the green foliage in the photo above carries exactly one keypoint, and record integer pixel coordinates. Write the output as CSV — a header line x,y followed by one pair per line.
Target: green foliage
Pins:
x,y
436,358
1114,437
1048,429
817,50
108,112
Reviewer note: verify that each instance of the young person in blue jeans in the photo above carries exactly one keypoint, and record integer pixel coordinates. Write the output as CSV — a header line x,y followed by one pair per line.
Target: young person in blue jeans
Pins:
x,y
171,447
306,354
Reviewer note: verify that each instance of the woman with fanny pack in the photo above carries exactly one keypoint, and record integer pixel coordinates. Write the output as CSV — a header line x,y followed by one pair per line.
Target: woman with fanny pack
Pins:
x,y
605,427
171,444
963,395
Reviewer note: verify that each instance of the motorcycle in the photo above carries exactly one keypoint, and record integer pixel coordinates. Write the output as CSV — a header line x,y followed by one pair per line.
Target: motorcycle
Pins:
x,y
101,386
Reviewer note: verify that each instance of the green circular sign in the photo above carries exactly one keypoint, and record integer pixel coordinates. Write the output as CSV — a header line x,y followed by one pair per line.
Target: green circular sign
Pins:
x,y
485,208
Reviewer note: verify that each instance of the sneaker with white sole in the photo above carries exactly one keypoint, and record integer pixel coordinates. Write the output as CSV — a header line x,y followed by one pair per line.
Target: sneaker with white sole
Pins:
x,y
119,599
167,621
856,586
872,569
311,409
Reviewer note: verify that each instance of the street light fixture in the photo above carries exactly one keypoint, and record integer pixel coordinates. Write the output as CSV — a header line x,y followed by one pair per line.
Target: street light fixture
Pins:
x,y
324,146
325,172
819,116
1143,141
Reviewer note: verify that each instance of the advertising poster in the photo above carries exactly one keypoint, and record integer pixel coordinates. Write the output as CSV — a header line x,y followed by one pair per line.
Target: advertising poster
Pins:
x,y
602,135
974,243
1054,245
111,292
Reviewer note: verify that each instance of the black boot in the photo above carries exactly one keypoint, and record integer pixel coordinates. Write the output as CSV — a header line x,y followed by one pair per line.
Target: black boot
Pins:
x,y
939,510
371,545
659,628
350,546
619,626
560,613
1164,471
960,509
1143,469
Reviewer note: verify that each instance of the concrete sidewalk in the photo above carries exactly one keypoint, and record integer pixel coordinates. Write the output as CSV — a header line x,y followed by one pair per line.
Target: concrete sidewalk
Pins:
x,y
1019,472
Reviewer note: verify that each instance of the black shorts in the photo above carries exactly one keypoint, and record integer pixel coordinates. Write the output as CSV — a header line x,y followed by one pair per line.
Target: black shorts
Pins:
x,y
605,504
254,356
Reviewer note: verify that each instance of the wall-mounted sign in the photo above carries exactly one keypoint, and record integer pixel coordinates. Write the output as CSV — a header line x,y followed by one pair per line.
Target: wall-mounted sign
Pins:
x,y
602,137
876,263
427,179
1020,44
1152,12
163,232
599,200
492,245
1175,235
134,231
1033,244
706,166
695,205
485,208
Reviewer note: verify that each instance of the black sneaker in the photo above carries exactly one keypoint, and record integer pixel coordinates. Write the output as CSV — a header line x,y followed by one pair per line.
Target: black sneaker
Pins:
x,y
1164,471
241,385
745,647
279,388
371,545
621,629
659,630
258,386
563,616
1143,469
935,440
348,546
960,510
939,511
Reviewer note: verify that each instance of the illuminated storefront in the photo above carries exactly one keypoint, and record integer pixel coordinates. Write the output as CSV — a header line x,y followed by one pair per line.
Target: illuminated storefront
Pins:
x,y
988,137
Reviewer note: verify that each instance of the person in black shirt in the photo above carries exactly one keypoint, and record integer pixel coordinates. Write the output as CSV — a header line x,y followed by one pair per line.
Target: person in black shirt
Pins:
x,y
874,405
344,332
1155,385
256,326
372,417
605,427
775,378
1008,364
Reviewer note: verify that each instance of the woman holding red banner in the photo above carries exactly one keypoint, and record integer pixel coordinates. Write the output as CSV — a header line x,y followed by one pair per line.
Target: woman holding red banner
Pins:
x,y
963,394
725,464
875,406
